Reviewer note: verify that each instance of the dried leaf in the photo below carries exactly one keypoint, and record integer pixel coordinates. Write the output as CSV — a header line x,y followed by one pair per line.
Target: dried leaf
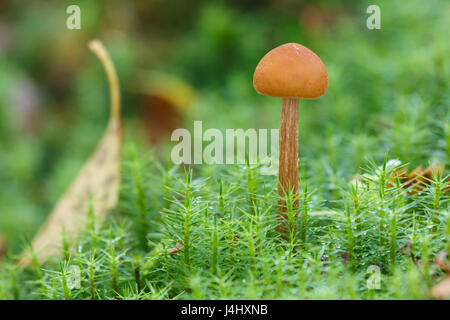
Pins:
x,y
344,256
234,239
441,261
418,179
407,249
97,183
177,248
441,290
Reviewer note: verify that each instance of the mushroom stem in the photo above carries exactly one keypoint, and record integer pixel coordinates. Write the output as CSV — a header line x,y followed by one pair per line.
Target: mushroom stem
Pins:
x,y
288,161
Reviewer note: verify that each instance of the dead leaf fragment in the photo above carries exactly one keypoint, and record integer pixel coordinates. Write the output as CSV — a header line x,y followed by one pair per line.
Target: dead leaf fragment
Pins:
x,y
441,290
177,248
234,239
344,256
97,183
407,249
440,261
418,179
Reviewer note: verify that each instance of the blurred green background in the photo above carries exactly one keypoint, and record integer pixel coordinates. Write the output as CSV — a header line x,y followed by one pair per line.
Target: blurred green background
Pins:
x,y
389,88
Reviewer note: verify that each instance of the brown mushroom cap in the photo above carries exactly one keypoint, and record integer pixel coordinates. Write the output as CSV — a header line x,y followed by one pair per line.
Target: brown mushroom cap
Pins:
x,y
291,71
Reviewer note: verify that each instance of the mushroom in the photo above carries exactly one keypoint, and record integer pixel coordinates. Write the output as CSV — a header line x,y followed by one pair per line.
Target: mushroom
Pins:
x,y
290,71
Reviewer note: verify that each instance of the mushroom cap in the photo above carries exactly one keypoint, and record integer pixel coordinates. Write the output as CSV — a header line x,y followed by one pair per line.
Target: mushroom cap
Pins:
x,y
291,71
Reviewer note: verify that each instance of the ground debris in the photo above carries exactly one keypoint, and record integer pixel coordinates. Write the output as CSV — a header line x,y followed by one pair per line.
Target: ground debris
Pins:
x,y
177,248
96,186
418,179
442,289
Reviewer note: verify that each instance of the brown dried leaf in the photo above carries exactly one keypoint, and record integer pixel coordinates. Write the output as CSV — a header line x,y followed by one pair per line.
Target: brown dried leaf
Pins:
x,y
418,179
97,183
234,239
407,249
177,248
441,290
344,256
440,261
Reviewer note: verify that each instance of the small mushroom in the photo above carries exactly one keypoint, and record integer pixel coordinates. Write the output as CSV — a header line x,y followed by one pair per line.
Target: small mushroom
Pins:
x,y
290,71
164,102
